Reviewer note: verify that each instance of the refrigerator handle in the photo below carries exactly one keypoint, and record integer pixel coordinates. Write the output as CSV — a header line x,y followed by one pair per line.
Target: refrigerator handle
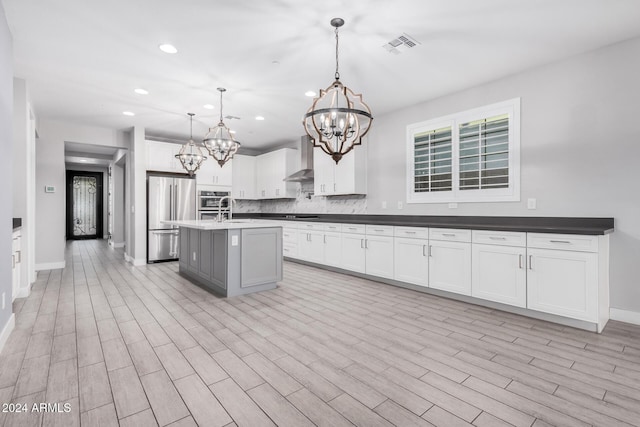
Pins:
x,y
171,202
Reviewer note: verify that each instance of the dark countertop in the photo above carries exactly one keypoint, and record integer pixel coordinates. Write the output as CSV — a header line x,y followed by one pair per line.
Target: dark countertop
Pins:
x,y
559,225
17,223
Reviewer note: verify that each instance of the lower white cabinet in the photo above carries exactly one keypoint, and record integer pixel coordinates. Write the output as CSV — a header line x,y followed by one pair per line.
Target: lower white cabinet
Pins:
x,y
411,261
332,249
16,264
450,266
379,256
499,274
563,283
290,242
353,252
311,245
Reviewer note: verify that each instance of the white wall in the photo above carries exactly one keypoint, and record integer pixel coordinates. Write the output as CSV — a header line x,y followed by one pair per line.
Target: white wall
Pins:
x,y
50,170
6,171
580,146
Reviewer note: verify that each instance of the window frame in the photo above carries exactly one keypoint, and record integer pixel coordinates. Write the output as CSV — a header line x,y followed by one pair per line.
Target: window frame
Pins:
x,y
509,194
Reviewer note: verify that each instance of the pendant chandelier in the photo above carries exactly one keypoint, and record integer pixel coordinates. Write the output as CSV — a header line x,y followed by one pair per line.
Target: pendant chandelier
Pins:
x,y
338,119
219,141
190,155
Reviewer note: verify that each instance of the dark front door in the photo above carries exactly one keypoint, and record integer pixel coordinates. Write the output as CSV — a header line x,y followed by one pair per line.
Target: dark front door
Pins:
x,y
84,205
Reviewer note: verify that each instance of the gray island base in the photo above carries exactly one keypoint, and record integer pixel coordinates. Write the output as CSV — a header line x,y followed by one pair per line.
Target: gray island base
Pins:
x,y
231,259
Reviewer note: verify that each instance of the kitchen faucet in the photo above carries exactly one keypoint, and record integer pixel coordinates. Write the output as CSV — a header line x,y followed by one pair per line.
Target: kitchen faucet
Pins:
x,y
231,202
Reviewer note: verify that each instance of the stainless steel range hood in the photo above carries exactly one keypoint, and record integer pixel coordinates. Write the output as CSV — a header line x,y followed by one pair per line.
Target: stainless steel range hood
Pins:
x,y
305,174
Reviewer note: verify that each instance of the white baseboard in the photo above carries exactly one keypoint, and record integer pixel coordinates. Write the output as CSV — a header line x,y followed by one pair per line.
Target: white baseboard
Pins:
x,y
6,331
135,261
50,266
624,316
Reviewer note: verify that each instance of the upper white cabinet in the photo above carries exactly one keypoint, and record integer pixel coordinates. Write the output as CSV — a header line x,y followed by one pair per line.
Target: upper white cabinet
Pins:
x,y
498,267
244,177
271,170
349,176
211,174
450,260
161,156
565,280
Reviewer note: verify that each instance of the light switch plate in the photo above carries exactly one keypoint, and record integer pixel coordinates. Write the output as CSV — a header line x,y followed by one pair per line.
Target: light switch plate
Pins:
x,y
532,203
400,205
234,240
49,189
384,205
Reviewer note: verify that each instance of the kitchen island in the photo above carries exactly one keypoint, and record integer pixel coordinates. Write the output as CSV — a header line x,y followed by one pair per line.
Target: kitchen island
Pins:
x,y
232,257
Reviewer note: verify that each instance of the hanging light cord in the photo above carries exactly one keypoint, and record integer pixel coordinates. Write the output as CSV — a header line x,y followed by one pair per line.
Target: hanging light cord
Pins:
x,y
220,106
191,126
337,72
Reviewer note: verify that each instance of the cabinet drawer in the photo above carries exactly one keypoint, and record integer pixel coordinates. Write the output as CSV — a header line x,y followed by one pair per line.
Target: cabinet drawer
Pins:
x,y
503,238
354,228
337,228
379,230
312,226
567,242
411,232
450,234
289,236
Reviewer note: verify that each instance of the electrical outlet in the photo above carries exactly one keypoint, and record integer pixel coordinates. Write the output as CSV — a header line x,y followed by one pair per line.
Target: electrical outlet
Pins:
x,y
453,205
400,205
3,300
532,203
384,205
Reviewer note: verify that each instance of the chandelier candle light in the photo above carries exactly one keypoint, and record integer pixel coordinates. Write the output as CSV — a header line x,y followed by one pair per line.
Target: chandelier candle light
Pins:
x,y
190,155
338,119
219,141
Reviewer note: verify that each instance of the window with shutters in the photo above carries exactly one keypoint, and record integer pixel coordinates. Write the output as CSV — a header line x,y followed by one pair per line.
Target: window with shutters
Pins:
x,y
472,156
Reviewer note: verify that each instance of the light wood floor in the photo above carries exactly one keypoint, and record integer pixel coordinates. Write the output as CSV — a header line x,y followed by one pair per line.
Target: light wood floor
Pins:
x,y
143,346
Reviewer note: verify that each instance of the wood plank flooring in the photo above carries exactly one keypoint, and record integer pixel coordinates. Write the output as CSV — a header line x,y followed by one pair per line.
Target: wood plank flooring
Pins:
x,y
143,346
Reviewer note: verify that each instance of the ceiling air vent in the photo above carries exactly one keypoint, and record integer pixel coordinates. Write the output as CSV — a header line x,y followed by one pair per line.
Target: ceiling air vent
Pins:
x,y
400,44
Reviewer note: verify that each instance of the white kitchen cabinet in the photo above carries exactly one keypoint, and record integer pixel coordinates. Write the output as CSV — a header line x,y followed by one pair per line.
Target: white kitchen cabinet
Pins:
x,y
311,245
271,170
160,157
349,176
499,274
379,251
332,249
16,264
563,280
450,260
243,177
353,251
212,174
411,261
290,242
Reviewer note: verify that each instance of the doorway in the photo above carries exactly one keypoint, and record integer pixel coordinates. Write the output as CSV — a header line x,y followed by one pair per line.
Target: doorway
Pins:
x,y
84,205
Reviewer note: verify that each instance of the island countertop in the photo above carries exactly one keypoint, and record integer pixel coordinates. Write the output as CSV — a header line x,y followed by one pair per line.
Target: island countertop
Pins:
x,y
211,224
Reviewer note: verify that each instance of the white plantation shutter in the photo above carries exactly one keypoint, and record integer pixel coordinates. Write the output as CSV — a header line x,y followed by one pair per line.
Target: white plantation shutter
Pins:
x,y
466,157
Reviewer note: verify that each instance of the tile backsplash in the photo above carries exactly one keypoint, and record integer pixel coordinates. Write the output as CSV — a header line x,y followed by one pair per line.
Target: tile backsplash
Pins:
x,y
306,202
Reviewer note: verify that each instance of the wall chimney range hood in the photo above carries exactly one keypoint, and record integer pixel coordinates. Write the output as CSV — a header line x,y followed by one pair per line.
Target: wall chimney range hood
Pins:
x,y
305,174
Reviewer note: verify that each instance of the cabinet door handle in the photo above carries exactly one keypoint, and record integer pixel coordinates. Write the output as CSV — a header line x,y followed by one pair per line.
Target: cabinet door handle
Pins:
x,y
194,256
424,249
325,238
366,243
378,230
520,261
13,261
351,228
530,262
497,238
361,243
19,256
334,188
410,232
449,234
430,247
561,241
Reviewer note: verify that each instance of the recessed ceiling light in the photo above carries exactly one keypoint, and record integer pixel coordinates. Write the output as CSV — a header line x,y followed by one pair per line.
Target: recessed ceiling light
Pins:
x,y
310,93
128,113
259,118
83,160
208,106
141,91
168,48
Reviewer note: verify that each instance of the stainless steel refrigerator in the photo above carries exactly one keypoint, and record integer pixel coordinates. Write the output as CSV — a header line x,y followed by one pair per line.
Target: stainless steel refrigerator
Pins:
x,y
169,198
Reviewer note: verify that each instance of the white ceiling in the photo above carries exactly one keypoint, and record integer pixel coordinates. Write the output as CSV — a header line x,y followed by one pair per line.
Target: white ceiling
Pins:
x,y
82,59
